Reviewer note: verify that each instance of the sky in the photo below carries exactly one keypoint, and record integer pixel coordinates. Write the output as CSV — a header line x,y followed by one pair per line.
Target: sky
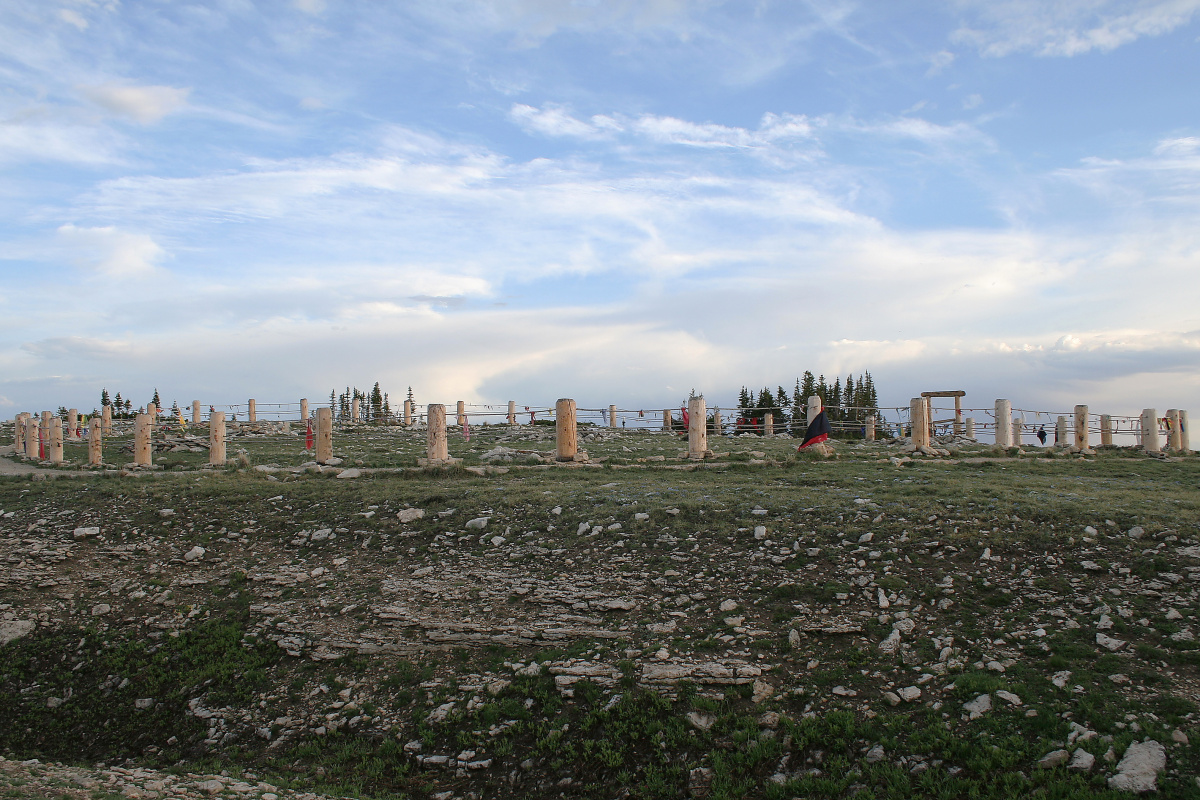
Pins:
x,y
618,201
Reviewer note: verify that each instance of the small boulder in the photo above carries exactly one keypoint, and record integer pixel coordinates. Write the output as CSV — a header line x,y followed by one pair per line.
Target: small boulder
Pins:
x,y
410,514
1055,758
1139,767
194,554
477,524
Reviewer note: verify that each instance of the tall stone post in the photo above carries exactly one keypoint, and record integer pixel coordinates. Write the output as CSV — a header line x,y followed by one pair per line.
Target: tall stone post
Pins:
x,y
929,416
73,423
512,412
54,450
1150,430
32,437
1081,427
324,440
1185,444
970,424
251,410
152,412
19,433
697,427
813,408
666,419
304,409
918,409
355,410
1106,430
106,420
195,412
1060,431
408,413
1016,431
768,424
612,416
44,435
460,414
716,426
958,417
95,446
870,428
1173,442
216,438
436,448
1003,424
566,434
141,440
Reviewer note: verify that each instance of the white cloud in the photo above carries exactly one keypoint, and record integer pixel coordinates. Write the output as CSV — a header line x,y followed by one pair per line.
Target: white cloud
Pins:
x,y
112,252
313,7
972,101
144,104
73,18
312,103
938,62
1067,27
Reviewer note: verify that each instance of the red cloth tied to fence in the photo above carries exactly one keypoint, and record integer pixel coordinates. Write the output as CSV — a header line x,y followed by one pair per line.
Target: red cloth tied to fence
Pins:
x,y
817,431
308,437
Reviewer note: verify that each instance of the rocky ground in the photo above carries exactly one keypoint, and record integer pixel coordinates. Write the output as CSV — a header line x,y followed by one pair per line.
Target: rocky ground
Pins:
x,y
878,624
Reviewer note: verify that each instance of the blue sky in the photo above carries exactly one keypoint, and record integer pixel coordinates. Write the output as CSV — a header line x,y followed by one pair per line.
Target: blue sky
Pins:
x,y
617,201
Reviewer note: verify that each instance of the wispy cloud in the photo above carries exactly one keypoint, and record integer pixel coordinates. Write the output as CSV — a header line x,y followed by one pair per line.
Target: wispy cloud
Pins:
x,y
111,252
143,104
1069,27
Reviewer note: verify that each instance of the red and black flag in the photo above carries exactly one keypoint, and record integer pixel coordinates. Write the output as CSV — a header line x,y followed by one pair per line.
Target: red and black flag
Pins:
x,y
817,431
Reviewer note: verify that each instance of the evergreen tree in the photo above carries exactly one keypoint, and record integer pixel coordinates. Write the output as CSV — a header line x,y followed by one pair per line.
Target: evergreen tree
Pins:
x,y
823,390
782,404
156,401
120,404
834,400
798,409
808,385
848,394
104,399
743,400
376,401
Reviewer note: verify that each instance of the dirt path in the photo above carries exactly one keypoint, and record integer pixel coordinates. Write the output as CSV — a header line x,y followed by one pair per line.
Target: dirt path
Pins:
x,y
10,467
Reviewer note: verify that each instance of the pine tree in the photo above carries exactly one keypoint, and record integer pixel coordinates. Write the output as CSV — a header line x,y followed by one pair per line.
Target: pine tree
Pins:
x,y
798,409
376,401
823,390
387,409
808,385
104,399
156,401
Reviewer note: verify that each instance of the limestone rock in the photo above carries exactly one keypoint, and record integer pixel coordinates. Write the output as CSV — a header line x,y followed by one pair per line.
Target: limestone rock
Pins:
x,y
81,533
195,553
1109,642
1082,761
979,706
1053,759
13,629
1139,768
477,524
410,514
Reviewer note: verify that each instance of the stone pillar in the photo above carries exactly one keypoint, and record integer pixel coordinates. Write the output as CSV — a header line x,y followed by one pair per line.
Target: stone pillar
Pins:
x,y
717,429
408,412
1185,444
512,412
1150,430
1060,432
1081,427
612,416
870,434
73,423
918,409
251,410
304,409
95,446
44,435
323,443
195,412
436,449
141,440
106,420
697,427
970,425
460,414
958,418
216,438
152,412
768,423
32,437
1106,430
19,433
1017,423
566,434
1173,443
814,408
354,410
54,446
929,416
666,419
1003,424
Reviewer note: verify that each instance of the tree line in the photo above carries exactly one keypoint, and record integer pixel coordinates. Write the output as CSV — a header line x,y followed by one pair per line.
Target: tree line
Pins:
x,y
848,403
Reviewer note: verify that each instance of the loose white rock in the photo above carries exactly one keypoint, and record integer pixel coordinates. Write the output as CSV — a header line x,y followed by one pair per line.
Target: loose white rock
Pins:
x,y
195,553
1139,768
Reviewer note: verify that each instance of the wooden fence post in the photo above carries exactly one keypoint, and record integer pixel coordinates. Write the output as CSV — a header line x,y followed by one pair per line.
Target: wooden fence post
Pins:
x,y
512,412
324,439
54,447
565,433
958,417
19,433
1081,427
612,416
437,450
970,422
216,438
666,419
870,433
195,412
31,436
304,409
408,413
141,440
73,423
1106,430
768,424
697,428
717,431
1003,424
106,420
1173,442
95,445
460,416
1149,423
918,409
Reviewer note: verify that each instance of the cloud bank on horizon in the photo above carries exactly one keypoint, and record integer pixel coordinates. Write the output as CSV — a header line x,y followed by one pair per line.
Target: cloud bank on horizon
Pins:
x,y
618,201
